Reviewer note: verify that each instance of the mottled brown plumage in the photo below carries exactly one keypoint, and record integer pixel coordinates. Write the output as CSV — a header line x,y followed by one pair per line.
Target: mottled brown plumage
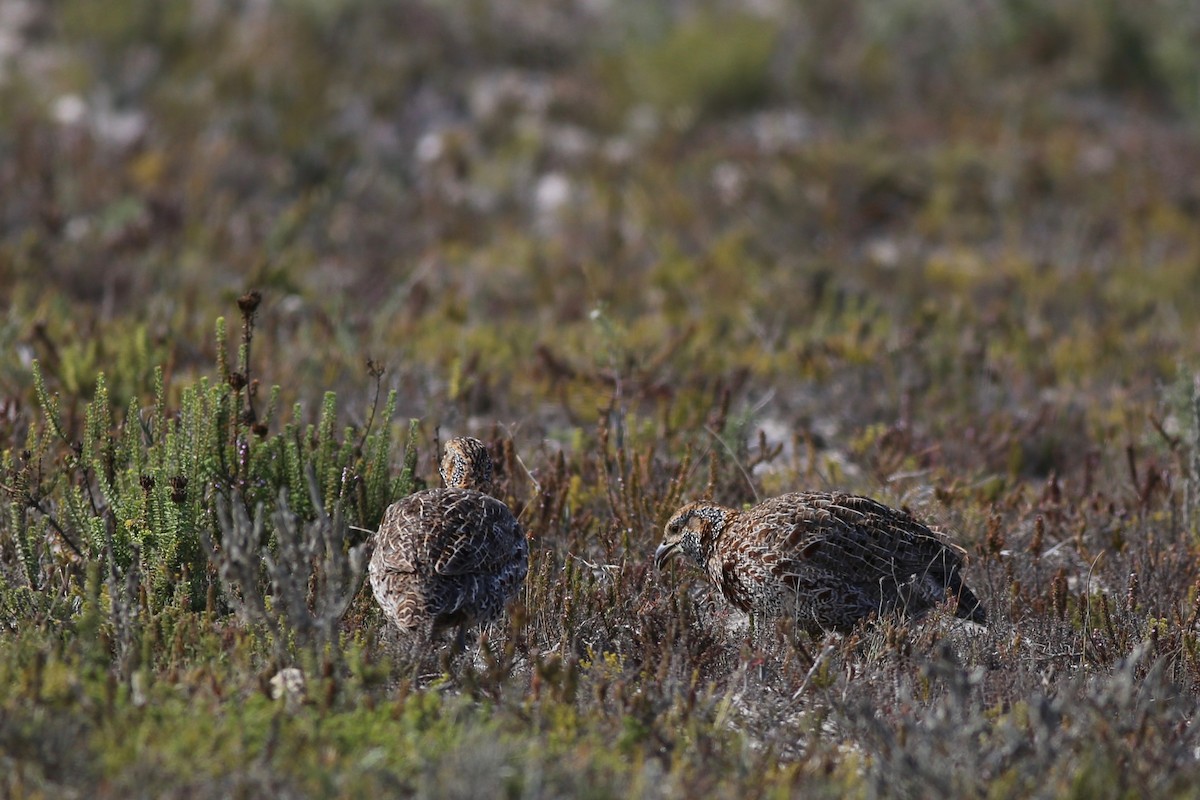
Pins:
x,y
452,556
828,560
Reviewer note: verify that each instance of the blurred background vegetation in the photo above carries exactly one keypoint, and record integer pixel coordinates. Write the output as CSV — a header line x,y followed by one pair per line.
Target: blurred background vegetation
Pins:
x,y
942,253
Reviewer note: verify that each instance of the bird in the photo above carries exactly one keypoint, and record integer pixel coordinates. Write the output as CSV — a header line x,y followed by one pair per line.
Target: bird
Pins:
x,y
827,559
454,556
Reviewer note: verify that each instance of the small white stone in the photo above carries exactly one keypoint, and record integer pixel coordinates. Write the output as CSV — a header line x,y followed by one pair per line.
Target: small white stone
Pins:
x,y
289,683
77,228
553,191
69,109
119,128
728,180
884,252
430,147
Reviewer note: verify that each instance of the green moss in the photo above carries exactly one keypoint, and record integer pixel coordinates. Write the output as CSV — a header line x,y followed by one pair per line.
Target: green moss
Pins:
x,y
708,64
937,253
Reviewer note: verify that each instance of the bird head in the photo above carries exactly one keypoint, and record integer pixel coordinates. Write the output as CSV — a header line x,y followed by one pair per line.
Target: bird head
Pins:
x,y
466,465
691,532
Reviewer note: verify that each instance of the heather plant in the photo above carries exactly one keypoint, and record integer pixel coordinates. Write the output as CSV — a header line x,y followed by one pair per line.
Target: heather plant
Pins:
x,y
937,253
159,499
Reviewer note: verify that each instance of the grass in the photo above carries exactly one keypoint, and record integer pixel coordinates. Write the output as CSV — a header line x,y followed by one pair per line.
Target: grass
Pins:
x,y
936,254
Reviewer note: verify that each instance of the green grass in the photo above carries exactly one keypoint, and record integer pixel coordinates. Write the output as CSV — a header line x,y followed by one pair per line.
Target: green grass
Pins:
x,y
939,254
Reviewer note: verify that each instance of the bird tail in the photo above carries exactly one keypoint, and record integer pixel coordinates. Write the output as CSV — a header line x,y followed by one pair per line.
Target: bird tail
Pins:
x,y
969,607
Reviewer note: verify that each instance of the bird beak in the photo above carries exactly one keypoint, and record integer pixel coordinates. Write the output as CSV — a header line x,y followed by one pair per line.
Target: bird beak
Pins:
x,y
663,554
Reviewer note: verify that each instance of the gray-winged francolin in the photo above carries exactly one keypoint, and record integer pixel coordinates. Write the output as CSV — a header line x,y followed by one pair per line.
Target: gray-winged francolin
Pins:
x,y
826,559
449,557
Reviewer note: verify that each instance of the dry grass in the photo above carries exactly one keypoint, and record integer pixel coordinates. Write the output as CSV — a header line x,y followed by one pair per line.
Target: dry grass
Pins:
x,y
936,254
